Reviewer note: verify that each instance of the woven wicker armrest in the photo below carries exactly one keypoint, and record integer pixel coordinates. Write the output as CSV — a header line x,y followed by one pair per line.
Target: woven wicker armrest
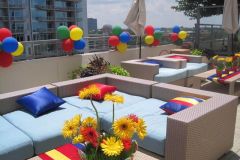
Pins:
x,y
170,62
8,100
134,86
72,87
141,70
202,132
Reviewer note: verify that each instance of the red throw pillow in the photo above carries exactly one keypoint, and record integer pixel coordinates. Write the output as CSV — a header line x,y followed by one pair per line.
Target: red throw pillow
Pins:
x,y
104,89
179,57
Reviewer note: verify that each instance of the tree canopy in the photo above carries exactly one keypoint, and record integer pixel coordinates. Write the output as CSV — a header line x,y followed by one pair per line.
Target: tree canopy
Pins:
x,y
190,7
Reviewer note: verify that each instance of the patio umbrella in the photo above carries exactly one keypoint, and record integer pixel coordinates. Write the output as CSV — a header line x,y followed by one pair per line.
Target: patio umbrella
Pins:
x,y
230,17
136,19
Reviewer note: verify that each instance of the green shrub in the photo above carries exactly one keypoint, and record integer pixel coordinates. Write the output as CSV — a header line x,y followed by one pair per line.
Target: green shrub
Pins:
x,y
197,52
118,71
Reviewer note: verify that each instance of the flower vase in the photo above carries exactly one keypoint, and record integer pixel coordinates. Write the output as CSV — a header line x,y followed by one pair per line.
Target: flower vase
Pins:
x,y
219,73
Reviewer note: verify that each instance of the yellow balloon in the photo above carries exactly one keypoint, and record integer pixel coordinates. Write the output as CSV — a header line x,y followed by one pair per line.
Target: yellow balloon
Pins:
x,y
122,47
76,34
19,50
149,40
182,35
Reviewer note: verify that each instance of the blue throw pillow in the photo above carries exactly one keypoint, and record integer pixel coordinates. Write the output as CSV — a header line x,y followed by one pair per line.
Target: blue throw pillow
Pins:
x,y
40,102
151,61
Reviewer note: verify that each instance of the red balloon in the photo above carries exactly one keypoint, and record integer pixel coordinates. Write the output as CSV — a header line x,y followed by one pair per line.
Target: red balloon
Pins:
x,y
149,30
72,26
156,42
174,37
5,59
67,45
4,33
113,41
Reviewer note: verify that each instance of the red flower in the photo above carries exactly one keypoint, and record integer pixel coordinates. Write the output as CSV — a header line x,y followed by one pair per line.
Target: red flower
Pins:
x,y
127,143
133,117
90,135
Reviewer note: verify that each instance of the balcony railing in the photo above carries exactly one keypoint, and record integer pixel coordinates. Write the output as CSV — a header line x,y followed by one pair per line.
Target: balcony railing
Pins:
x,y
6,18
5,5
48,30
65,19
53,48
55,8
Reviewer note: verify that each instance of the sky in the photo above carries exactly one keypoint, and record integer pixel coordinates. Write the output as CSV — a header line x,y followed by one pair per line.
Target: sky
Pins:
x,y
159,13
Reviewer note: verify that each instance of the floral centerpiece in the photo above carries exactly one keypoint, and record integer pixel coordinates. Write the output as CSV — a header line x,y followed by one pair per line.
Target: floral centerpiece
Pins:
x,y
229,64
219,64
116,145
237,61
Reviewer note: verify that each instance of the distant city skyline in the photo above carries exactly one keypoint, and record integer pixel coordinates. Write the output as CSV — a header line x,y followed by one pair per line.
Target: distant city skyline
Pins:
x,y
159,13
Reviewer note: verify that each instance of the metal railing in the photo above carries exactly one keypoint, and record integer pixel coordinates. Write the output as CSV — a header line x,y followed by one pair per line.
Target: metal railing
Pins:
x,y
53,47
63,8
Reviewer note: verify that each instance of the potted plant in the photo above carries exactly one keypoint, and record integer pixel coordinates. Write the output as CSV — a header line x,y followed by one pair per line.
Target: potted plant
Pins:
x,y
117,145
229,64
219,64
237,61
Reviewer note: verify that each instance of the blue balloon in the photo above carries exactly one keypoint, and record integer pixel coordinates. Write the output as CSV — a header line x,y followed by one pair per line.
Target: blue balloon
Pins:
x,y
79,45
176,29
9,44
125,37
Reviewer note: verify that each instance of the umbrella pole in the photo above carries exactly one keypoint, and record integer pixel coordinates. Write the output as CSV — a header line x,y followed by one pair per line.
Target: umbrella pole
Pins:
x,y
140,47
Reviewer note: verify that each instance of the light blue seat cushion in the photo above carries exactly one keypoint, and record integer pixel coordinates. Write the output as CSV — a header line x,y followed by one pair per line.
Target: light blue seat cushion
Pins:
x,y
167,75
14,144
156,121
103,107
196,68
45,130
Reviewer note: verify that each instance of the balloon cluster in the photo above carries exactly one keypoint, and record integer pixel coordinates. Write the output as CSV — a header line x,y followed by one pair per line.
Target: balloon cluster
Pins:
x,y
178,34
72,38
153,35
9,47
119,39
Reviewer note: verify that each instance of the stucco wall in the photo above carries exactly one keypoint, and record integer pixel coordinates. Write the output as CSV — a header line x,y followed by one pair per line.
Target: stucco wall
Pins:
x,y
31,73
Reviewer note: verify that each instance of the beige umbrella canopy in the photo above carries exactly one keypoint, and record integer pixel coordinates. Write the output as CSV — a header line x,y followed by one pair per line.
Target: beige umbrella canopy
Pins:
x,y
230,16
136,19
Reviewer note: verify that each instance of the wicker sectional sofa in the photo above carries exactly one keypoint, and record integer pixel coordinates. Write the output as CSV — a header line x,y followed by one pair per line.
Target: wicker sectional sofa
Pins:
x,y
203,132
168,70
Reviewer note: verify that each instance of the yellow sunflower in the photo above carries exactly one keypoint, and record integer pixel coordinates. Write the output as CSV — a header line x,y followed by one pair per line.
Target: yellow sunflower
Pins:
x,y
124,128
89,91
77,120
70,129
89,122
78,139
237,54
229,59
215,57
221,59
141,128
114,98
112,146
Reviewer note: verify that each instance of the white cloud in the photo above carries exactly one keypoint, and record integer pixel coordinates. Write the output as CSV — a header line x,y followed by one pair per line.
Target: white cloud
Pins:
x,y
159,12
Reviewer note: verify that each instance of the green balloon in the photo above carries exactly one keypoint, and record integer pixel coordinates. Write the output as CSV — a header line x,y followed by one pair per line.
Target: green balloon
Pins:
x,y
63,32
158,35
0,46
117,30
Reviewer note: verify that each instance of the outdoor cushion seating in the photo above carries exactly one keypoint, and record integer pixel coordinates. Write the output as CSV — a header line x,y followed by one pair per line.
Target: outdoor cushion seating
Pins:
x,y
45,130
155,118
175,70
196,68
103,107
167,75
183,135
14,144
